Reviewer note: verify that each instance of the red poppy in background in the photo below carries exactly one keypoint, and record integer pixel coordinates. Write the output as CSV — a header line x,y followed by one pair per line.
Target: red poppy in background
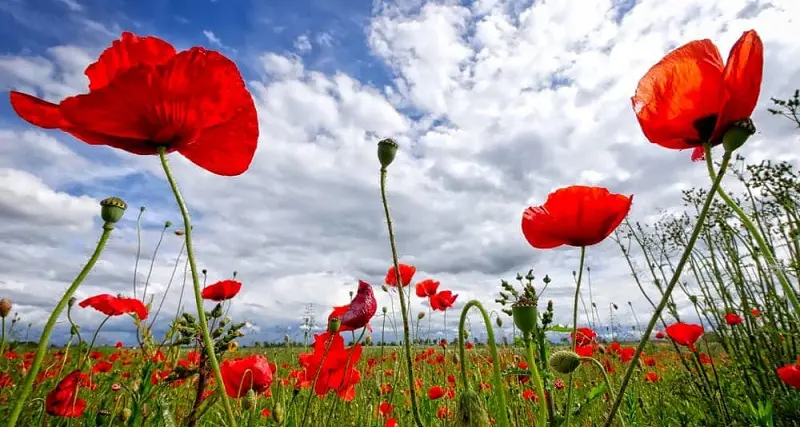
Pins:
x,y
586,337
334,370
406,274
755,312
115,306
63,400
790,374
427,288
733,319
442,300
685,334
222,290
659,335
575,216
246,373
690,97
359,312
435,392
143,94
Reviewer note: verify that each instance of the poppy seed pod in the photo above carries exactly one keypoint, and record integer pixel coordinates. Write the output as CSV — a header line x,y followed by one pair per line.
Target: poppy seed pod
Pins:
x,y
564,362
334,324
737,134
112,209
420,315
250,399
5,307
180,232
470,412
387,150
524,313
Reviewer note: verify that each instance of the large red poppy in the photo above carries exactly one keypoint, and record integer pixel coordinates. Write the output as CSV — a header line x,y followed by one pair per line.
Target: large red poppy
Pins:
x,y
246,373
222,290
359,312
332,369
442,300
143,94
790,374
63,400
690,97
115,306
585,336
575,216
685,334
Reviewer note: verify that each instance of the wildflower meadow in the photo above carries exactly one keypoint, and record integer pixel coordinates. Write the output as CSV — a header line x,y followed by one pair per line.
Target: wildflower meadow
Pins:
x,y
734,254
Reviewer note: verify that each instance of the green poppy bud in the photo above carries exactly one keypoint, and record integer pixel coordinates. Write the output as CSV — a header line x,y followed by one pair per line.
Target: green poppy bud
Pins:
x,y
470,411
278,414
524,314
334,324
737,134
564,362
112,209
387,150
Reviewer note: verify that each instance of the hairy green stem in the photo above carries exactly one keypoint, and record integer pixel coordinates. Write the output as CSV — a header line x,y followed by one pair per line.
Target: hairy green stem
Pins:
x,y
44,340
676,275
568,408
201,315
409,364
502,417
537,380
94,337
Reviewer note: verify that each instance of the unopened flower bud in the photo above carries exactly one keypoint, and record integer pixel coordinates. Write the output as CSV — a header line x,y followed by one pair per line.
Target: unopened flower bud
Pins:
x,y
334,324
217,311
737,134
564,362
250,399
384,288
387,150
499,322
420,315
470,412
278,414
71,302
112,209
5,307
384,309
168,224
126,413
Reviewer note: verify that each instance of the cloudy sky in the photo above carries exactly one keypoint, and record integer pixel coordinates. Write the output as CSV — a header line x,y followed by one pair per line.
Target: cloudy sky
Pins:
x,y
494,104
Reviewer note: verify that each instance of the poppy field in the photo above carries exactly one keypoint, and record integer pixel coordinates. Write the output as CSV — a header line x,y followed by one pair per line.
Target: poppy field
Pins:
x,y
734,252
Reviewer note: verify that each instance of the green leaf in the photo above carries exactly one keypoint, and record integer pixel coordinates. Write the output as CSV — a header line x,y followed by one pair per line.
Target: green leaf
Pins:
x,y
559,328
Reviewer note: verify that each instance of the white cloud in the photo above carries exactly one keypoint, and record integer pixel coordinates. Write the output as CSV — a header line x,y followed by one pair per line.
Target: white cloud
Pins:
x,y
72,5
302,44
212,38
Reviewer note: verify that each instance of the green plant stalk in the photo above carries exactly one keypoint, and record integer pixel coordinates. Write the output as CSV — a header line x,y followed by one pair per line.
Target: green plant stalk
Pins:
x,y
599,365
409,366
44,340
759,238
537,380
726,158
568,408
91,344
502,417
2,336
201,315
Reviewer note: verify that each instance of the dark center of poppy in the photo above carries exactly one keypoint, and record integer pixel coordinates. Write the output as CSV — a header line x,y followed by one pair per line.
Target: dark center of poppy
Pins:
x,y
705,127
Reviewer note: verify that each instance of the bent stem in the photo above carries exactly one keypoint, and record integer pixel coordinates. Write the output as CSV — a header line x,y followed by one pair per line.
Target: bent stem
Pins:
x,y
91,344
406,335
44,340
760,241
537,379
201,315
726,158
502,418
595,362
568,408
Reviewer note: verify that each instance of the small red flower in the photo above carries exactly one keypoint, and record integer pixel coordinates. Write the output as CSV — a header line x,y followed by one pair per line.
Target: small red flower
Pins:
x,y
442,300
790,374
574,216
359,312
385,408
114,306
63,400
733,319
755,312
406,274
427,288
659,335
435,392
246,373
690,98
586,336
652,377
143,94
685,334
222,290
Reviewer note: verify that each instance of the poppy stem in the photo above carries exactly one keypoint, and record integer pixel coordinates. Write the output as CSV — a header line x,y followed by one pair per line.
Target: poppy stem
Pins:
x,y
537,380
502,417
44,340
406,335
201,315
687,251
568,408
765,250
91,344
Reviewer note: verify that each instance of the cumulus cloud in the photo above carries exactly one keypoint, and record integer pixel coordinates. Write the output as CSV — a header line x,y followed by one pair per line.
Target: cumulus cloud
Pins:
x,y
494,104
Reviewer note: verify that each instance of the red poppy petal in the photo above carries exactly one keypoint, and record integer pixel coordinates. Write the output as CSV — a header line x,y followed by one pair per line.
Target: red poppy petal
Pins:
x,y
539,230
742,81
680,89
36,111
124,54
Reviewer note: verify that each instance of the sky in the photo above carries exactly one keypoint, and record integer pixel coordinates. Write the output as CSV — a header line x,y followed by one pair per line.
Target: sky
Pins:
x,y
494,105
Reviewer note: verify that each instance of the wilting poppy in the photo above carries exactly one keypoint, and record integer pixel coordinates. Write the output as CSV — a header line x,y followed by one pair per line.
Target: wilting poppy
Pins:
x,y
575,216
222,290
586,336
790,374
442,300
690,97
246,373
733,319
427,288
115,306
406,274
63,400
143,95
359,312
685,334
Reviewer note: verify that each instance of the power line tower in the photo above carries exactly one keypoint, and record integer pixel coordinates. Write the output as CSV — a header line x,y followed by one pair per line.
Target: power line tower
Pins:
x,y
309,321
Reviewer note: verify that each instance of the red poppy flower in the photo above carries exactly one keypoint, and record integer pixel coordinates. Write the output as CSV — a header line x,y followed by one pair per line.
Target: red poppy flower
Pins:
x,y
102,367
689,97
733,319
575,216
246,373
115,306
334,370
359,312
755,312
427,288
790,374
63,400
659,335
652,377
435,392
222,290
584,350
143,94
685,334
385,408
442,300
406,274
586,336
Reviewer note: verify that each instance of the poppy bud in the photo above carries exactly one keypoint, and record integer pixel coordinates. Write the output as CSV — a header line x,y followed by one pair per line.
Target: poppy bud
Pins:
x,y
112,209
524,311
384,288
368,340
529,276
180,232
519,277
71,302
470,412
564,362
126,413
499,321
278,414
168,224
217,311
387,150
334,324
455,358
73,330
250,399
420,315
5,307
737,134
546,279
384,309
